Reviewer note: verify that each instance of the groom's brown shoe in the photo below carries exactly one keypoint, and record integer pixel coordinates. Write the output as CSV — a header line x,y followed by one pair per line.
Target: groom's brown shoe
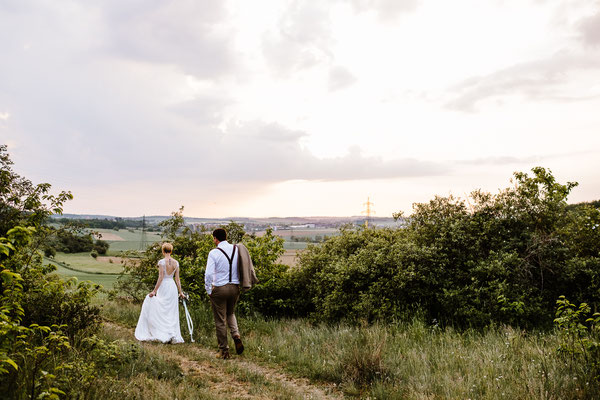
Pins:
x,y
239,347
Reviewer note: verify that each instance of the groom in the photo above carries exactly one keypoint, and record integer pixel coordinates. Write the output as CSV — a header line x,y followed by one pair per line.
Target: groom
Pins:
x,y
222,281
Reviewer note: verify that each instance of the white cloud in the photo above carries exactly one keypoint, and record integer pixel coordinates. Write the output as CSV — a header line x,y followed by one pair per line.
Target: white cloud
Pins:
x,y
192,35
387,10
340,78
541,80
590,30
302,38
114,98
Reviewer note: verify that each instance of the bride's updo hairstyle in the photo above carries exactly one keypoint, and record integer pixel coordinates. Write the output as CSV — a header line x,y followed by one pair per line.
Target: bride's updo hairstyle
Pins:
x,y
167,248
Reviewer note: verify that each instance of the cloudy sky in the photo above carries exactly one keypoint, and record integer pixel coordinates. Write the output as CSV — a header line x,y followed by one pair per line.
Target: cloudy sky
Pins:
x,y
296,108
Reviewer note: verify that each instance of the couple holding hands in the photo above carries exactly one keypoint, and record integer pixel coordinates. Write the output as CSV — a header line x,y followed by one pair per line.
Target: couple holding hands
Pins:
x,y
229,270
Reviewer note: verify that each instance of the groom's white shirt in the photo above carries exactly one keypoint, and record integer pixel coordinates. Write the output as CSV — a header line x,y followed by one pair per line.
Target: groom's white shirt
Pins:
x,y
217,267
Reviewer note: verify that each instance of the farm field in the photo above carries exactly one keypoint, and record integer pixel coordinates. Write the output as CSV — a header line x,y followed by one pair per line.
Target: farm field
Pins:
x,y
86,268
290,257
107,281
295,239
83,261
287,234
125,239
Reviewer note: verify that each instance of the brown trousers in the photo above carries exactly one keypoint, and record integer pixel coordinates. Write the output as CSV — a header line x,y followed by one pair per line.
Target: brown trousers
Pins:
x,y
223,300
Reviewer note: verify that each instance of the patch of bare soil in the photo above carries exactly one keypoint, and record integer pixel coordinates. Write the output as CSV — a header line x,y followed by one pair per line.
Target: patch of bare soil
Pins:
x,y
109,236
290,257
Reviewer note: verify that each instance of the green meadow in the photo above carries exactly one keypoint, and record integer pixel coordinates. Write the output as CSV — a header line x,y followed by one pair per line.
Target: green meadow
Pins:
x,y
127,239
85,262
106,280
105,269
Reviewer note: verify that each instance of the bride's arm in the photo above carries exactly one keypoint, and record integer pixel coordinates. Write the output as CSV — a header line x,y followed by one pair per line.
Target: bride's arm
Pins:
x,y
178,282
158,282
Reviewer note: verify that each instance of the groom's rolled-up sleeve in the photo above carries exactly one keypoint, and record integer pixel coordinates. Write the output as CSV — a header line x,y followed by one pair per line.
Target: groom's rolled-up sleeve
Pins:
x,y
209,274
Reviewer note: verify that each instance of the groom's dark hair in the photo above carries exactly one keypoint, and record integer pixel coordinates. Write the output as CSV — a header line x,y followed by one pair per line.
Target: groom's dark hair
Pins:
x,y
220,234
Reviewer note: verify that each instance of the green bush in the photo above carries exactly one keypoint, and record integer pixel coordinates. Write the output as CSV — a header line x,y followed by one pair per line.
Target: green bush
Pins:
x,y
500,258
101,246
44,321
579,332
50,252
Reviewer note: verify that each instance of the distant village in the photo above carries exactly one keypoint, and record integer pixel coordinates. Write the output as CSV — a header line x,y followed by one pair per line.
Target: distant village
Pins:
x,y
249,224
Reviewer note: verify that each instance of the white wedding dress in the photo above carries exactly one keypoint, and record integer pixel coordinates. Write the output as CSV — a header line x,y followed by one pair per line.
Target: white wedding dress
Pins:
x,y
159,318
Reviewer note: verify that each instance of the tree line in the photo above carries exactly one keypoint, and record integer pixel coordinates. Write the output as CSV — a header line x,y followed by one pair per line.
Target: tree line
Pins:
x,y
104,223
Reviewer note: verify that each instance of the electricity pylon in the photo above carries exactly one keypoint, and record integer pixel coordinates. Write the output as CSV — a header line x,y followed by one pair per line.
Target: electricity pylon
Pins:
x,y
143,239
369,211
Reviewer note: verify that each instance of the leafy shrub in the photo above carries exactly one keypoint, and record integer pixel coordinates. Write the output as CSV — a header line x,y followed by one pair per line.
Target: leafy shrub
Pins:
x,y
50,252
500,258
72,242
43,319
580,340
101,246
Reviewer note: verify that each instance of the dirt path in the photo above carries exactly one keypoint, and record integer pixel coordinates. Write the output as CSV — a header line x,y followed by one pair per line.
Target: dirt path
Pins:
x,y
236,378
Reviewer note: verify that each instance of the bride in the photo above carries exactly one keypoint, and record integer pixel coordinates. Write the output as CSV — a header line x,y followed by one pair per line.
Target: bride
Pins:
x,y
159,318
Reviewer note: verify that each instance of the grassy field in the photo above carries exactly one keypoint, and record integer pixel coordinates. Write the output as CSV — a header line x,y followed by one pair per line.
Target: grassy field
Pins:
x,y
85,268
107,281
401,360
130,240
85,262
124,239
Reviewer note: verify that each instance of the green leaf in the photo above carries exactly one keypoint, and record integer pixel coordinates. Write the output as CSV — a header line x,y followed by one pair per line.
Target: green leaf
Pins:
x,y
12,363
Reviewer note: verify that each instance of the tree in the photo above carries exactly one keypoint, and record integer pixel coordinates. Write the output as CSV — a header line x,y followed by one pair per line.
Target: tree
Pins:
x,y
41,316
22,202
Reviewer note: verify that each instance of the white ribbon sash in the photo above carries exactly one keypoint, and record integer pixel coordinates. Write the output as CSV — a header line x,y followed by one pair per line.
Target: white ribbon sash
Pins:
x,y
190,324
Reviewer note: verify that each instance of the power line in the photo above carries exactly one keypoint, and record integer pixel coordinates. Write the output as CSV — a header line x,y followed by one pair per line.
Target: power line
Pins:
x,y
369,211
143,239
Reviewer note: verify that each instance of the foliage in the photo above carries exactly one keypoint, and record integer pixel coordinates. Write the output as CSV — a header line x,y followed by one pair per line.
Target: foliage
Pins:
x,y
500,258
22,202
580,339
43,320
101,246
103,223
72,239
170,227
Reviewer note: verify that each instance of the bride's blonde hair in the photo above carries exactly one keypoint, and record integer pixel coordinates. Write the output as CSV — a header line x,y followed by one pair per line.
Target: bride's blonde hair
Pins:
x,y
167,248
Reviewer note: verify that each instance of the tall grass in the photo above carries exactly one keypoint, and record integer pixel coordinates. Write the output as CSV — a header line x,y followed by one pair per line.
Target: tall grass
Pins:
x,y
141,374
407,360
